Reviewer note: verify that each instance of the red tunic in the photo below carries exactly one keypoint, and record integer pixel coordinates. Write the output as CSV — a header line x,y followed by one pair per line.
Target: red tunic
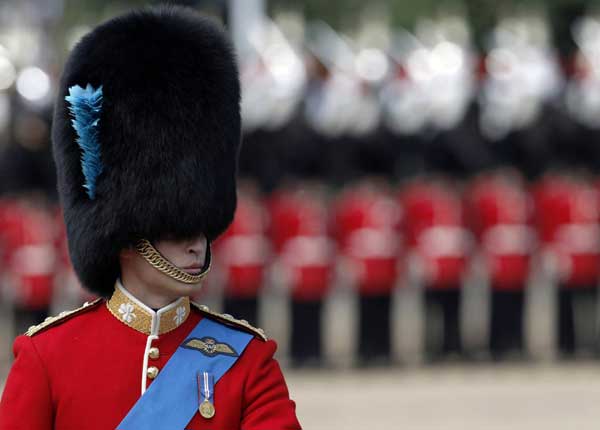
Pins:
x,y
365,222
298,231
27,253
434,228
566,217
500,212
242,249
85,371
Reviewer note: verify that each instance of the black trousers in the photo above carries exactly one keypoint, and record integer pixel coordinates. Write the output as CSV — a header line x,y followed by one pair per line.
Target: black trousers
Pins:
x,y
446,303
567,299
306,332
242,308
374,336
506,323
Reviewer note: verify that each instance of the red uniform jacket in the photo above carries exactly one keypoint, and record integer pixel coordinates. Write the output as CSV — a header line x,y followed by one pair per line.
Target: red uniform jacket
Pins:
x,y
27,247
434,229
242,250
366,222
84,372
500,212
567,212
298,231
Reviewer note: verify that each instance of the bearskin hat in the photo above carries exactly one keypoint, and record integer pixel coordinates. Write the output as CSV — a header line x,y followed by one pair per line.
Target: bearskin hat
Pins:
x,y
146,137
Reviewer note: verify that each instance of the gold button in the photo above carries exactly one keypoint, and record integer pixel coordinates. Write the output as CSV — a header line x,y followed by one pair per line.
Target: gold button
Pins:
x,y
152,372
153,353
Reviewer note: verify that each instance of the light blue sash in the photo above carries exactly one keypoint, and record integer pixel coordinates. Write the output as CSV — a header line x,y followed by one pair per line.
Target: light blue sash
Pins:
x,y
172,399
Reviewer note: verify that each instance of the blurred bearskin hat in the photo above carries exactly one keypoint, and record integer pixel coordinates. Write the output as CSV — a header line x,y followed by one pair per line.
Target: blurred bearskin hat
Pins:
x,y
146,137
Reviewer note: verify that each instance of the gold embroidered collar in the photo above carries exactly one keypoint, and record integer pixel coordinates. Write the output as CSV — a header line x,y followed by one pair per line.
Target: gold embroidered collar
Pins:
x,y
130,311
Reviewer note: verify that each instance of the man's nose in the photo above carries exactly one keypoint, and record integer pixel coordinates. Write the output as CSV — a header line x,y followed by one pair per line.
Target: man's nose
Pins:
x,y
197,247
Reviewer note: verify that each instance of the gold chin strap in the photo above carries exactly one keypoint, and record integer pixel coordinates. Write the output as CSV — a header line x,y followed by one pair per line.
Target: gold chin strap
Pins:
x,y
160,263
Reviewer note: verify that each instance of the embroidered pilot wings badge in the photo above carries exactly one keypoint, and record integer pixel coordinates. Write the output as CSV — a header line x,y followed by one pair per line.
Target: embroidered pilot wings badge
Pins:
x,y
209,347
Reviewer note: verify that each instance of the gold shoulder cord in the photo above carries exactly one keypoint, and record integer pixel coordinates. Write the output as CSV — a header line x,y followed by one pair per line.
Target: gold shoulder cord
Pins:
x,y
230,320
51,321
160,263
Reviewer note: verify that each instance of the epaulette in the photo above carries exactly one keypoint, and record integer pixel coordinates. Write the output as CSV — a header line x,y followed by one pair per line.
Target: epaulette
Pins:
x,y
231,321
50,321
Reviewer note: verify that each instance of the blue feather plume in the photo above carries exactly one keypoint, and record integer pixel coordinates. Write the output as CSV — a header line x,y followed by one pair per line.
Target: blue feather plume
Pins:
x,y
85,105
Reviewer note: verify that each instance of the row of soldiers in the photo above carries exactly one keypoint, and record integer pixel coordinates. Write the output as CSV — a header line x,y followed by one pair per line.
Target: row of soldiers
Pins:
x,y
441,125
374,239
426,102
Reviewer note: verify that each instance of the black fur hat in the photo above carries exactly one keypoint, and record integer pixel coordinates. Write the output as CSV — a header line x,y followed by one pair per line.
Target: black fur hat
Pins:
x,y
154,96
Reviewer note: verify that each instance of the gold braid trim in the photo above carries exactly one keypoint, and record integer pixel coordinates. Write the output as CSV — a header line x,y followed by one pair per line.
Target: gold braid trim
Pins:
x,y
160,263
50,321
231,321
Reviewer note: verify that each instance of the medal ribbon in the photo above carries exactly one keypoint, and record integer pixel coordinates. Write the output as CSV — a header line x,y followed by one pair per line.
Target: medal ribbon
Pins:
x,y
205,387
172,399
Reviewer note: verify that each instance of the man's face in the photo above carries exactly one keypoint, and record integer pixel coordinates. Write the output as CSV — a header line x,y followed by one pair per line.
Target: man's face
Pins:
x,y
188,255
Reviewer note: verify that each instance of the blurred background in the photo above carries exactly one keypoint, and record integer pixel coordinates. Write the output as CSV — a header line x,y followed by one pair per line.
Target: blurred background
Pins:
x,y
418,218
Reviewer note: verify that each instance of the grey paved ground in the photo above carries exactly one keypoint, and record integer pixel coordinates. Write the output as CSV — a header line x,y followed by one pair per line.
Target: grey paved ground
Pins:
x,y
448,398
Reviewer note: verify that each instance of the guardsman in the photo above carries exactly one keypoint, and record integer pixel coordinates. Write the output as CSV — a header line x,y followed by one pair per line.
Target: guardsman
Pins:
x,y
567,210
146,136
500,215
366,220
242,253
28,255
439,245
27,230
298,231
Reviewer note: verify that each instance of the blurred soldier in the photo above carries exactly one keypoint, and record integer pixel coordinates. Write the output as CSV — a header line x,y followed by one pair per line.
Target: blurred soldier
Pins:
x,y
298,231
403,119
500,214
434,229
146,136
336,105
271,151
567,222
27,247
275,135
522,83
581,100
27,228
242,253
365,227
